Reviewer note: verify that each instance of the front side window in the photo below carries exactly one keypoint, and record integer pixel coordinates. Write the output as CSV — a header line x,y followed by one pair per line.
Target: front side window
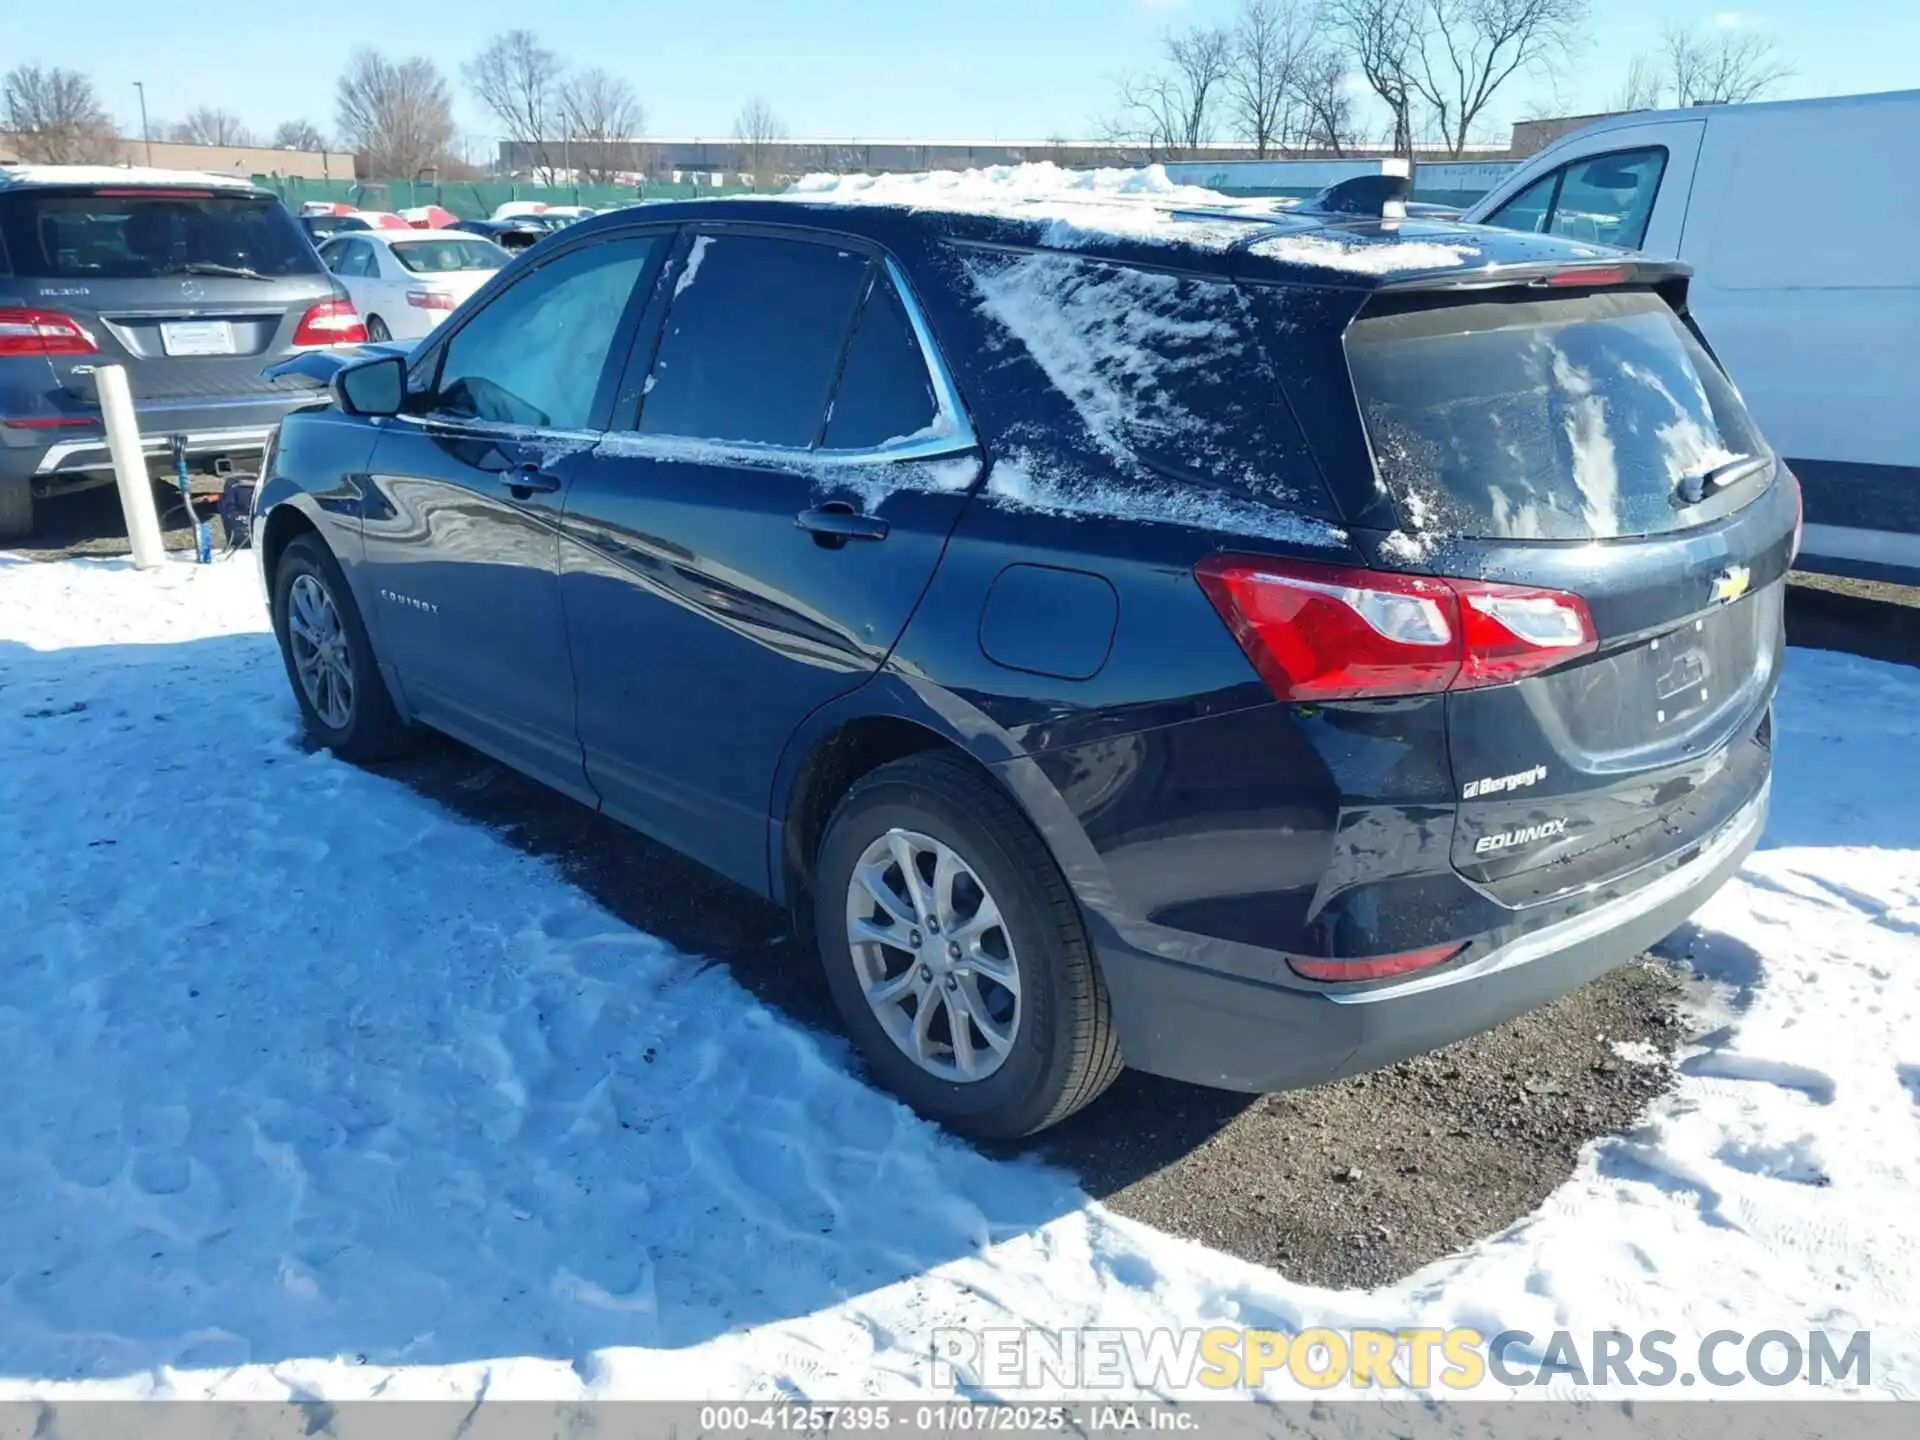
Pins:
x,y
1603,199
752,341
1609,198
1530,209
536,354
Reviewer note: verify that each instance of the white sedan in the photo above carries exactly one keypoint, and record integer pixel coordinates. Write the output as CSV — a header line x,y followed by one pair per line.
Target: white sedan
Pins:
x,y
405,282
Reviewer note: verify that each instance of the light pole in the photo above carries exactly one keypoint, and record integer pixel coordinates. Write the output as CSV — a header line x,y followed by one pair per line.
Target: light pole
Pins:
x,y
146,138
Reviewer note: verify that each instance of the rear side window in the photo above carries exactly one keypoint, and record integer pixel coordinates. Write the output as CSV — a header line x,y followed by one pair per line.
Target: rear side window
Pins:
x,y
137,234
536,354
885,394
1166,373
752,341
1573,418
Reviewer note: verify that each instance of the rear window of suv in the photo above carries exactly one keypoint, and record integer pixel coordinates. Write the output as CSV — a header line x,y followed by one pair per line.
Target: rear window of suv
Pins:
x,y
136,234
1575,417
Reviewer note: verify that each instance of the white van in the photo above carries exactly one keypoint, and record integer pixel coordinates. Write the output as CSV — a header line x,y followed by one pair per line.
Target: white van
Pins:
x,y
1801,220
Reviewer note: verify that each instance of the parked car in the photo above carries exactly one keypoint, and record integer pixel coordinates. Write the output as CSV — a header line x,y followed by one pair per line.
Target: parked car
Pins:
x,y
193,283
404,284
1820,336
429,217
512,235
1252,649
320,226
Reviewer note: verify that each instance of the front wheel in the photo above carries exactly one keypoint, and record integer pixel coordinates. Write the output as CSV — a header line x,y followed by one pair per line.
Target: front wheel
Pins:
x,y
955,952
337,683
377,329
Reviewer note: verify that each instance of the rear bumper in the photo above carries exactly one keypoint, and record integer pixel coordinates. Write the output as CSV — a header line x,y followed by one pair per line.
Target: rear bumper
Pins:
x,y
1239,1034
233,428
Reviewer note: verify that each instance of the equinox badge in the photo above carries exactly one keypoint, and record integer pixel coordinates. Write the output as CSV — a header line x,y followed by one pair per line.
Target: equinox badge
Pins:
x,y
1730,584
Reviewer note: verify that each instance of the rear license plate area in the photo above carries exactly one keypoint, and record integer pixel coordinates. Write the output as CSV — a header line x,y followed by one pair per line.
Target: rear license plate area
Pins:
x,y
1682,671
196,337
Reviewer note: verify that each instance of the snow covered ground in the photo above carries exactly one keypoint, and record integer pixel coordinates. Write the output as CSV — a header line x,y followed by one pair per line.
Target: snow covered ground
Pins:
x,y
309,1088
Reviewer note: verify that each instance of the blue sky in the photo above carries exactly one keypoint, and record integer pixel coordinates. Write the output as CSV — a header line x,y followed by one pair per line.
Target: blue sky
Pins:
x,y
1011,69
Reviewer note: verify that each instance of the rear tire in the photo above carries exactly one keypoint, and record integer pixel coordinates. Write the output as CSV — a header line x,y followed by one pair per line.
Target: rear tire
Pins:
x,y
1053,1049
330,663
16,507
377,329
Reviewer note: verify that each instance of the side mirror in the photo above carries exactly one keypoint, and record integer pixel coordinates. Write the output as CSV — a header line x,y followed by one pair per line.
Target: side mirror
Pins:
x,y
372,387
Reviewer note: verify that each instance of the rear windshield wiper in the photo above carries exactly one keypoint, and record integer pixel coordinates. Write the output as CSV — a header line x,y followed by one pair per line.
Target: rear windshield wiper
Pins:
x,y
1695,488
208,267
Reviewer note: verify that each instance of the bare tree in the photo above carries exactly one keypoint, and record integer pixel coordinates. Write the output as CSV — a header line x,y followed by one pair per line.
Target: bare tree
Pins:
x,y
1644,86
1382,38
1170,111
55,118
519,80
298,135
1146,123
602,109
1269,42
397,114
1199,60
209,125
758,129
1730,67
1326,109
1468,49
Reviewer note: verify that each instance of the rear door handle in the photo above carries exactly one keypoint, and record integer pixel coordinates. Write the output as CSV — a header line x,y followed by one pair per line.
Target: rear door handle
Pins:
x,y
530,480
835,523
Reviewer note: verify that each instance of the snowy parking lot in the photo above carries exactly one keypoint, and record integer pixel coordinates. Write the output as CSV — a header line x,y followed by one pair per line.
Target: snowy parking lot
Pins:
x,y
310,1087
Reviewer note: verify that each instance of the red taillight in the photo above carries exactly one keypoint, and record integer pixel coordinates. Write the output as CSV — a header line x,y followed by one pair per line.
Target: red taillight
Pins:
x,y
430,300
1328,632
1513,631
42,332
331,322
48,422
1373,967
1590,275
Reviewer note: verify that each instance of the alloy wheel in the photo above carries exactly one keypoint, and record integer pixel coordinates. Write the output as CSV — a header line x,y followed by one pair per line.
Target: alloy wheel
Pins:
x,y
933,955
320,655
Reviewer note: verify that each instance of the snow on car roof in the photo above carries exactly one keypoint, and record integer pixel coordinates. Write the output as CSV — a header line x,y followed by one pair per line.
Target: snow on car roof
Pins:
x,y
1079,208
117,175
1139,204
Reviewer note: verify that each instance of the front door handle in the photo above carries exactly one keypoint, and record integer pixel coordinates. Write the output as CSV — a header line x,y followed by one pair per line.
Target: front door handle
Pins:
x,y
528,481
836,522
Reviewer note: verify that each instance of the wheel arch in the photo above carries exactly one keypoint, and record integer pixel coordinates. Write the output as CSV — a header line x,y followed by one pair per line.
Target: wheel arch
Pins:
x,y
284,523
838,745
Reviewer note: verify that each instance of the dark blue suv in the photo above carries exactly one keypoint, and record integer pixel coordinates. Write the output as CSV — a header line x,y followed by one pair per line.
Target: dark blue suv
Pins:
x,y
1249,648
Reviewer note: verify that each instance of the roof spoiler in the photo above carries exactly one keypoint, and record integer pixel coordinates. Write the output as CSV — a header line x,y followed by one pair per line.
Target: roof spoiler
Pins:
x,y
1378,197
